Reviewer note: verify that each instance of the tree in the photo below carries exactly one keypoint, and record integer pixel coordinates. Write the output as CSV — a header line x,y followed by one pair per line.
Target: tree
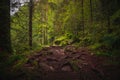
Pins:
x,y
30,22
82,12
91,11
5,41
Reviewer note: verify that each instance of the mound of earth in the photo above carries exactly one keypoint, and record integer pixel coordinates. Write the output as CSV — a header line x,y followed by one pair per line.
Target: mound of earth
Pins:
x,y
70,63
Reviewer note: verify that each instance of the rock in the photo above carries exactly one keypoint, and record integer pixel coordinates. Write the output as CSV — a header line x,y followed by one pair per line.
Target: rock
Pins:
x,y
50,59
46,67
67,67
70,48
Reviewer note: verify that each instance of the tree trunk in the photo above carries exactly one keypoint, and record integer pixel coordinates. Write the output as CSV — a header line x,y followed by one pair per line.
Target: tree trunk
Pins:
x,y
30,22
82,12
108,21
5,42
91,12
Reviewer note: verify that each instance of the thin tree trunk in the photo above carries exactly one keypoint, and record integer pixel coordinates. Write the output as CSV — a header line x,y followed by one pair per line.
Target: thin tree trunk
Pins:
x,y
91,12
102,16
46,35
108,20
42,35
30,22
82,12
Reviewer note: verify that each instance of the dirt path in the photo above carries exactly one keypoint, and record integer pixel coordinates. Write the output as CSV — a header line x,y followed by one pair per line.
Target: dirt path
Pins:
x,y
69,63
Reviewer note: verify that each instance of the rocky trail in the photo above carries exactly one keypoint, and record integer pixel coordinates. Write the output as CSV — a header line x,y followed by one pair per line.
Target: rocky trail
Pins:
x,y
68,63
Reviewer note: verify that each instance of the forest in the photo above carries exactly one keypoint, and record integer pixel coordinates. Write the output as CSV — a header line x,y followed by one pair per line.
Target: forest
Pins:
x,y
60,40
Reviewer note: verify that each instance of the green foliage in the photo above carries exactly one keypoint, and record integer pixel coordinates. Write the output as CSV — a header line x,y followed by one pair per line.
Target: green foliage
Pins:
x,y
74,65
63,40
19,30
60,22
15,57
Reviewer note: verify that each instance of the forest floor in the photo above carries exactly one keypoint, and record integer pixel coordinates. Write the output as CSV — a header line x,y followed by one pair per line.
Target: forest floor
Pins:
x,y
69,63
